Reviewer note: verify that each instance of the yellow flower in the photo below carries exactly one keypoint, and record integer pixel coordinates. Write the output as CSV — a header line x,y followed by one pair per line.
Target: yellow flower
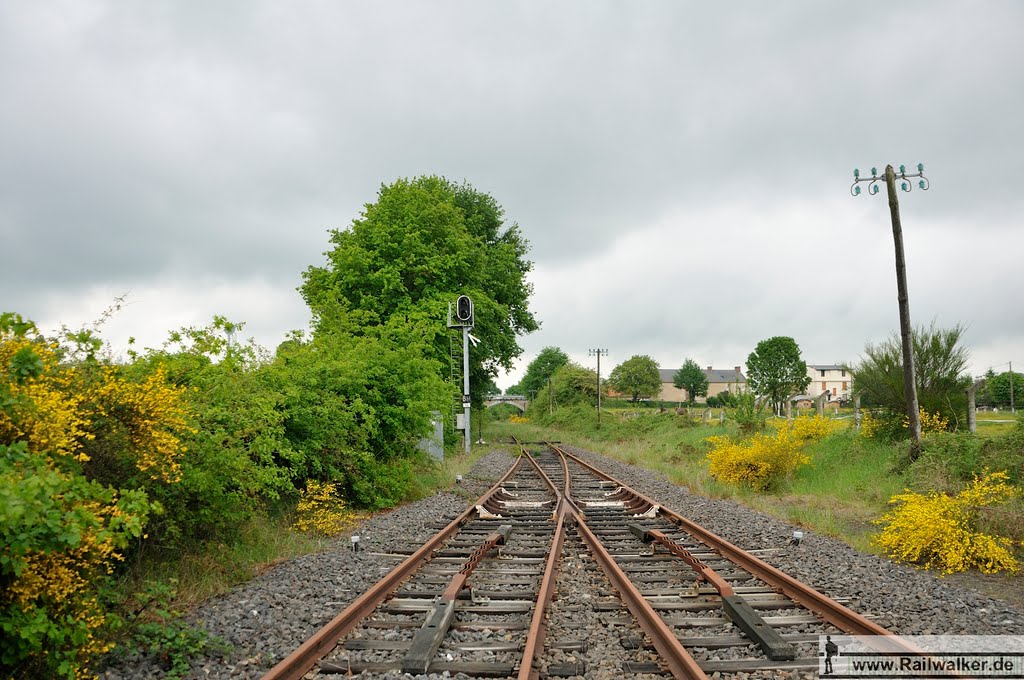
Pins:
x,y
938,531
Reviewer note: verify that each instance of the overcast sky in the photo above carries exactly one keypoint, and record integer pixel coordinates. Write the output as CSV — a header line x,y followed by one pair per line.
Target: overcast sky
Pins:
x,y
682,171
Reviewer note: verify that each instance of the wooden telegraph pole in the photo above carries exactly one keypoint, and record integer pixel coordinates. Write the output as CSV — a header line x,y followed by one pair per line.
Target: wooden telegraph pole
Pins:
x,y
909,381
598,353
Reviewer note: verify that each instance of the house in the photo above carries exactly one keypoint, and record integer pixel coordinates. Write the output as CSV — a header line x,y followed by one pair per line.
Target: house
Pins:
x,y
719,380
831,378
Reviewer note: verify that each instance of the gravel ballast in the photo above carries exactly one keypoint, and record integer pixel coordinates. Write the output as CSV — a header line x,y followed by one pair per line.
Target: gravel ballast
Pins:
x,y
267,618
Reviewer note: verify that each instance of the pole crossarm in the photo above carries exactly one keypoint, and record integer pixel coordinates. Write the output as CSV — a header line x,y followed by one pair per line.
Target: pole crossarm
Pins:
x,y
902,175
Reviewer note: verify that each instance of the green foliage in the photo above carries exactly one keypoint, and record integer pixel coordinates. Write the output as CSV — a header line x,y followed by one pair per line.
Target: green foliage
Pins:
x,y
503,412
951,459
155,627
775,369
424,242
571,384
749,412
637,376
356,405
692,378
996,391
61,533
238,454
940,364
549,360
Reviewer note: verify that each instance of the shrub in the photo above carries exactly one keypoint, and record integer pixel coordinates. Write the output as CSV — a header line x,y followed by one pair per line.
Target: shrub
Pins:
x,y
869,425
748,413
321,510
62,536
763,460
940,531
810,428
930,422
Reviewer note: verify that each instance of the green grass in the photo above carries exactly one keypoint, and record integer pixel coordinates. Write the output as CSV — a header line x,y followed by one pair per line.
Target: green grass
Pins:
x,y
203,570
993,424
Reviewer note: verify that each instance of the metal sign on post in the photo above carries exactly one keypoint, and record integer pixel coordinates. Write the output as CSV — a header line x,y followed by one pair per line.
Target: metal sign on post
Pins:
x,y
464,320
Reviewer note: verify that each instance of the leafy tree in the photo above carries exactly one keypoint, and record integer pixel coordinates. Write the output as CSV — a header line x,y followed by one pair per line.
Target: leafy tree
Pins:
x,y
424,242
571,384
516,389
691,378
355,406
490,387
543,367
637,376
940,363
997,387
775,369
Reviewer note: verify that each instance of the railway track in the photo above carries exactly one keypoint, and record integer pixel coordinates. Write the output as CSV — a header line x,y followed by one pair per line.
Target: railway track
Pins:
x,y
474,598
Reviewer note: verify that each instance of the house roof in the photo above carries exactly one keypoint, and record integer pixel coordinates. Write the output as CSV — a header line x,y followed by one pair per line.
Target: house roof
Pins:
x,y
714,375
826,367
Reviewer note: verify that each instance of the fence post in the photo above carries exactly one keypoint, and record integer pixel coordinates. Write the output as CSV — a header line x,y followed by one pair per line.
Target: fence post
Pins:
x,y
972,411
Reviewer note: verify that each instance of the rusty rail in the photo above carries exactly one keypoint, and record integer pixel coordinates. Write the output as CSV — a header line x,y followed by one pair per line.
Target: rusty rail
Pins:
x,y
297,664
546,592
831,611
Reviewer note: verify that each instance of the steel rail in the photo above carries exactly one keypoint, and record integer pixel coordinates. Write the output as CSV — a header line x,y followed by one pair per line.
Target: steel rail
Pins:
x,y
299,662
831,611
546,591
679,661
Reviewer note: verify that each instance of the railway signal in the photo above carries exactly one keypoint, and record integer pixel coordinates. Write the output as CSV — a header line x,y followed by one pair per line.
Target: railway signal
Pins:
x,y
464,319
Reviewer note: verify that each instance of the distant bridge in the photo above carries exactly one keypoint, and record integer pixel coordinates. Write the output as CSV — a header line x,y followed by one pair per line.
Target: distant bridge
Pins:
x,y
516,400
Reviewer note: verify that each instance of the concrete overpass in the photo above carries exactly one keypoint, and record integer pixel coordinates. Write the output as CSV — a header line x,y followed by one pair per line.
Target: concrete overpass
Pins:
x,y
516,400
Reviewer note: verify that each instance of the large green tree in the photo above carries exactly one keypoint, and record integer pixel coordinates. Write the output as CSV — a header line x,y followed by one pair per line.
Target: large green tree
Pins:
x,y
571,384
691,378
541,368
775,369
423,243
997,389
637,376
940,364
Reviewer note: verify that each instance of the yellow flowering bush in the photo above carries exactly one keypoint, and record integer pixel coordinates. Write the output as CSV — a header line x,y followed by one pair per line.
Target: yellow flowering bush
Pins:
x,y
930,422
62,532
765,458
321,510
808,428
939,531
869,425
518,419
143,421
39,407
61,537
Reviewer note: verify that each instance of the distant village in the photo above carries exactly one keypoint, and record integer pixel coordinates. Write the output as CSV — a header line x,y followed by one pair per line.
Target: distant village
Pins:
x,y
830,379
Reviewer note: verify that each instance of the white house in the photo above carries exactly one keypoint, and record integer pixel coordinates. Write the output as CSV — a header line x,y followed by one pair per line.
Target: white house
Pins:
x,y
831,378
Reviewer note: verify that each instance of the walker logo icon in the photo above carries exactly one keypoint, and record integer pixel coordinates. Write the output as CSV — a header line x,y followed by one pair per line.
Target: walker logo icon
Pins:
x,y
921,656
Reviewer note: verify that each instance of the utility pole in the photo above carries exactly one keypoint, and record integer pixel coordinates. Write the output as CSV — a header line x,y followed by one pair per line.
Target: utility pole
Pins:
x,y
598,353
1013,408
551,398
909,380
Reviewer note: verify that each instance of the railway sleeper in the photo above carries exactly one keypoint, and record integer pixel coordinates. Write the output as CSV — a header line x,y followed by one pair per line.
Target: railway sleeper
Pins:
x,y
481,669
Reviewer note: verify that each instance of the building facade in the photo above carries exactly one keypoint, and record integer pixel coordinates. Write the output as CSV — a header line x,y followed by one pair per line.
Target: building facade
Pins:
x,y
719,380
829,378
